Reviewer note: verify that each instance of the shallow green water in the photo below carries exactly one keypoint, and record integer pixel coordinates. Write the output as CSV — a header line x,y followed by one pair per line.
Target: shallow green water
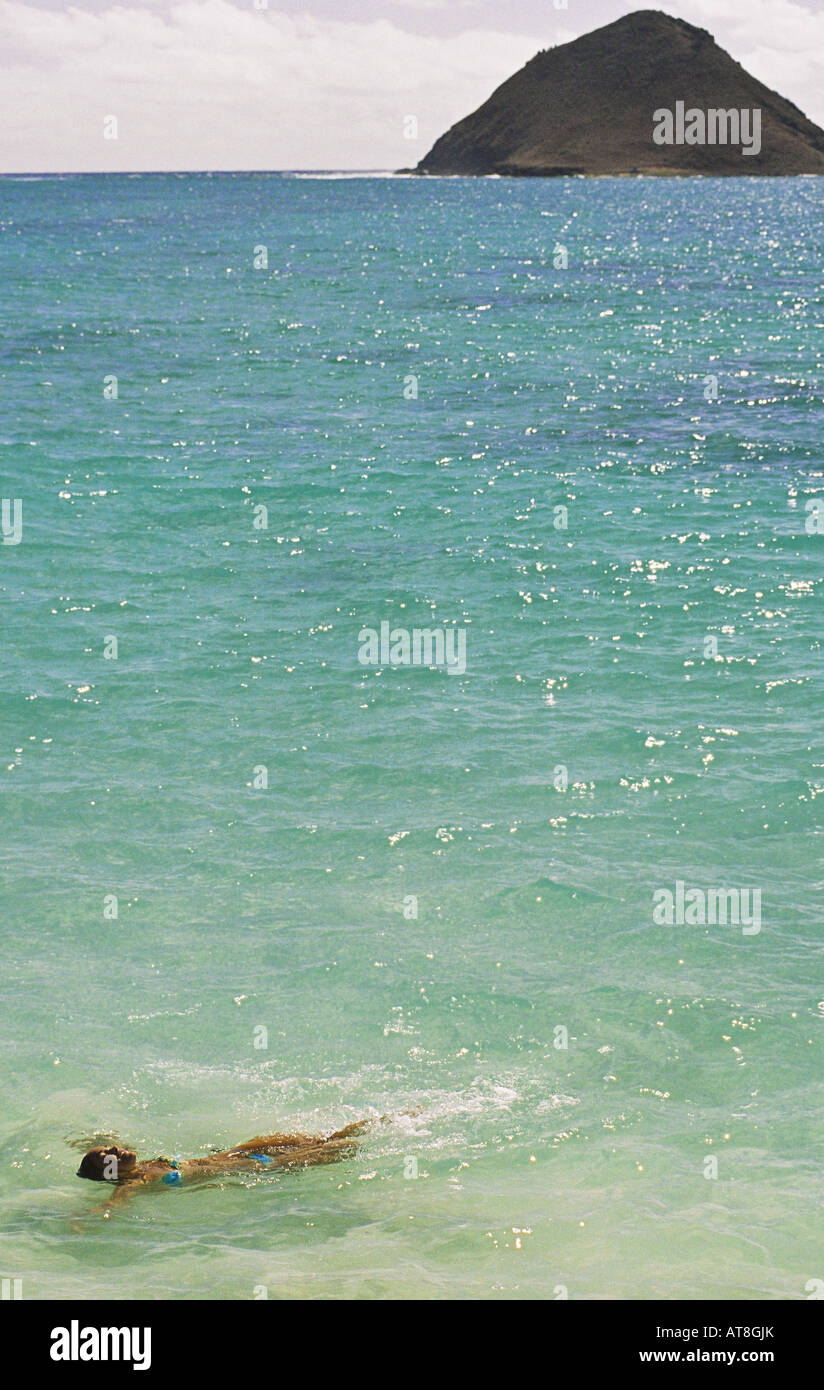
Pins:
x,y
400,790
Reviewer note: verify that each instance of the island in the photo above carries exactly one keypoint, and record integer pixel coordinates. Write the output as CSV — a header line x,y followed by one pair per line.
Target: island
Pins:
x,y
648,94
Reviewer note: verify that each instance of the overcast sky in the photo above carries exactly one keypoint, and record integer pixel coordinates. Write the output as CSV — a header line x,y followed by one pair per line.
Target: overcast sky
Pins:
x,y
313,84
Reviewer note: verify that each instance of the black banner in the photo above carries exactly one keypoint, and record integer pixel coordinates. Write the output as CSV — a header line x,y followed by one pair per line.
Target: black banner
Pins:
x,y
171,1338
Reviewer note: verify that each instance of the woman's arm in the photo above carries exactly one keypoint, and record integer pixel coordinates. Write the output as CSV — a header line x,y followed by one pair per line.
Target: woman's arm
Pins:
x,y
118,1194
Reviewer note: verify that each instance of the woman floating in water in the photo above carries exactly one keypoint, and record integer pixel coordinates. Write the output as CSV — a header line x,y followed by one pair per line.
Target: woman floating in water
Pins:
x,y
123,1168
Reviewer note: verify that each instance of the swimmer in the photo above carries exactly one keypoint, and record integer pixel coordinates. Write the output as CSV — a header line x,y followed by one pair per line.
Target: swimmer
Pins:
x,y
127,1172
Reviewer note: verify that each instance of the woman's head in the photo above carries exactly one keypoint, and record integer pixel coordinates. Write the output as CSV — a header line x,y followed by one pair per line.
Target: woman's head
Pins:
x,y
107,1164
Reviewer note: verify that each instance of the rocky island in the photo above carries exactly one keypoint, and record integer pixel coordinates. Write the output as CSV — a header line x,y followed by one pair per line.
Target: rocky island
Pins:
x,y
648,94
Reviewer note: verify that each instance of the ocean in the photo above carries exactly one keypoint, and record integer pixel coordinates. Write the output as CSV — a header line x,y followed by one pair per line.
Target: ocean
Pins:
x,y
558,913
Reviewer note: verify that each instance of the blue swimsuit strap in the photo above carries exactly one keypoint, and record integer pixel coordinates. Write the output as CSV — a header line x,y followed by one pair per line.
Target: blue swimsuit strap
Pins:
x,y
174,1177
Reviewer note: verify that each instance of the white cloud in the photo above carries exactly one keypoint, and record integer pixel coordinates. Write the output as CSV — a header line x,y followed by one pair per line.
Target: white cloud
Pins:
x,y
210,84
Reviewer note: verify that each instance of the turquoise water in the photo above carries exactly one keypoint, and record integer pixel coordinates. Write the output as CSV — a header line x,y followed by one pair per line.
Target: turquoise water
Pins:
x,y
395,790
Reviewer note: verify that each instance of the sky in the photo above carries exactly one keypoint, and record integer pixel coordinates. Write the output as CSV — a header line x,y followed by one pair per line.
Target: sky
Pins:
x,y
313,84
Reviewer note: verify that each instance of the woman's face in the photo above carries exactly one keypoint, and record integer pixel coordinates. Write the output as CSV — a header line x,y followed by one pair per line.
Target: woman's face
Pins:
x,y
109,1163
125,1157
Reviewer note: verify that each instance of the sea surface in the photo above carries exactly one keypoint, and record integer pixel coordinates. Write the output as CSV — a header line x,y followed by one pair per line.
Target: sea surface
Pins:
x,y
579,420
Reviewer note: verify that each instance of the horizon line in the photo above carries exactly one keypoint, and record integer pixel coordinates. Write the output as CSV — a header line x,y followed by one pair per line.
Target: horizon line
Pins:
x,y
80,173
423,177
